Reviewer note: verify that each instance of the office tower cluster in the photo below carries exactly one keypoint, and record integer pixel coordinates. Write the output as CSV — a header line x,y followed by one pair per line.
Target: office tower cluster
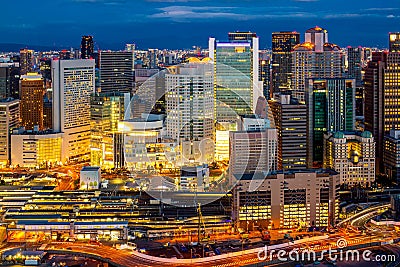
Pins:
x,y
305,104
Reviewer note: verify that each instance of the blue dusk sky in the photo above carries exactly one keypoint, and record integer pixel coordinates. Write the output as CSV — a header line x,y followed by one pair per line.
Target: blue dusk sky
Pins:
x,y
185,23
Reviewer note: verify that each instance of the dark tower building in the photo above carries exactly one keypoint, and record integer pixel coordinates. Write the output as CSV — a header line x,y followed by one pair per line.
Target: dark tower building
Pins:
x,y
354,55
87,47
265,74
374,99
282,45
291,123
9,80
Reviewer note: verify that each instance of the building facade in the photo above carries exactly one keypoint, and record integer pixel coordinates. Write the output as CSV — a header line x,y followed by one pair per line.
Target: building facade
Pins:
x,y
331,108
87,47
32,93
190,111
236,76
282,46
117,71
36,150
294,199
291,123
251,152
106,110
352,155
374,102
394,42
391,155
26,61
73,84
140,146
9,120
316,58
9,80
90,178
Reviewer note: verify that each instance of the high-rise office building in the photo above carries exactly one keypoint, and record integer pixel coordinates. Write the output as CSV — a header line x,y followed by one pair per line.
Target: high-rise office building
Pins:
x,y
374,110
236,77
316,58
45,68
252,153
9,120
265,73
87,47
106,110
9,80
26,60
331,108
354,59
394,42
47,114
152,58
282,46
190,111
352,155
291,123
354,71
117,71
73,83
382,104
32,93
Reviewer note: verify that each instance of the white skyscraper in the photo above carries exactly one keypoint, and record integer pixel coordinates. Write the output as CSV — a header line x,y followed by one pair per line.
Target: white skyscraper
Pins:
x,y
73,83
9,120
190,111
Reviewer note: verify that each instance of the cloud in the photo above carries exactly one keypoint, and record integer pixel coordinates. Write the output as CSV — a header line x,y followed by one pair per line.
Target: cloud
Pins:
x,y
381,9
186,13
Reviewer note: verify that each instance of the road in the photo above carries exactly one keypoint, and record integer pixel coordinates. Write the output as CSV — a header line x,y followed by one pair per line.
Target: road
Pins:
x,y
125,258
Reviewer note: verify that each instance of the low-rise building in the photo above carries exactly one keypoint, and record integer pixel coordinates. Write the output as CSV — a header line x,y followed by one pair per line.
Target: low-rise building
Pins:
x,y
391,155
287,199
36,149
142,147
352,155
90,178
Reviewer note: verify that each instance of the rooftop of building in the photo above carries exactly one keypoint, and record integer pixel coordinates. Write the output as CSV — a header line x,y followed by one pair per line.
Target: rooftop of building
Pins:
x,y
141,120
343,134
32,76
7,100
90,168
23,131
265,175
316,29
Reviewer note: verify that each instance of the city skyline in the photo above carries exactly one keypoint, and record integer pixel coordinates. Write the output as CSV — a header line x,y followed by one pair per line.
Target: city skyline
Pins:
x,y
185,23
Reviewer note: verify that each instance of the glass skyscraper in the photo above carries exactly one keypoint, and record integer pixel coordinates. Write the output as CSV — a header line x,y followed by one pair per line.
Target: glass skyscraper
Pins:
x,y
331,108
236,76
